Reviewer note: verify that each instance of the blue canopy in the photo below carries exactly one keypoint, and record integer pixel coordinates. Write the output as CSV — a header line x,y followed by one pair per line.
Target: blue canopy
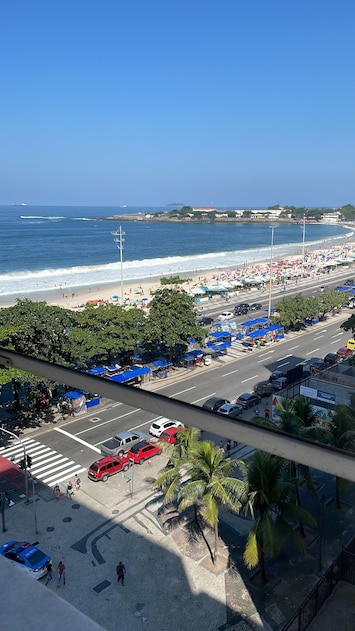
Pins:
x,y
132,373
218,347
99,370
220,335
74,394
254,322
161,363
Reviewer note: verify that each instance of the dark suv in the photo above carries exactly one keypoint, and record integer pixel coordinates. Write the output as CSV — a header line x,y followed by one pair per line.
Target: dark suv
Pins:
x,y
241,309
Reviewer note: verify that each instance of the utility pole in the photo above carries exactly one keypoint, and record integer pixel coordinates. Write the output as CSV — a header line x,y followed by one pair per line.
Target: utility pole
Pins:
x,y
6,431
303,242
118,238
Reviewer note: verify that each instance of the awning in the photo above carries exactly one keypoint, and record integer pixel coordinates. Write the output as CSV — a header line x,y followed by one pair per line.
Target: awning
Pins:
x,y
132,373
99,370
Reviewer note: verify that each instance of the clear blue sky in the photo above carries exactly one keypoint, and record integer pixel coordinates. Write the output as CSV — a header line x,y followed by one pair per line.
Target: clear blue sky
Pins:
x,y
148,102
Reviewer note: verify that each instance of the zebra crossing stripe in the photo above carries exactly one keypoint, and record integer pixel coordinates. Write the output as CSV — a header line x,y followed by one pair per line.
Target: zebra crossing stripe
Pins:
x,y
56,480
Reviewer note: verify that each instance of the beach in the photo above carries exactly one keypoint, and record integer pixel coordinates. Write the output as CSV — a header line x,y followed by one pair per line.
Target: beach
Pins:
x,y
139,293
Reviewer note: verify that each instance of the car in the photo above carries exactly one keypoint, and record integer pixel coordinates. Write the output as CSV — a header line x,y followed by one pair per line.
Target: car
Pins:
x,y
105,467
242,305
277,374
225,315
120,443
230,409
322,288
161,424
214,403
256,306
280,383
205,320
315,365
27,556
263,388
330,359
344,351
241,310
351,344
349,281
248,399
170,435
143,451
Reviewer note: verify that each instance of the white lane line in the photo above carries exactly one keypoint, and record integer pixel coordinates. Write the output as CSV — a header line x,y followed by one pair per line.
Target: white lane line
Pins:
x,y
48,464
204,398
314,351
286,357
337,335
266,353
318,337
249,379
79,440
181,392
230,373
293,347
68,474
117,418
284,364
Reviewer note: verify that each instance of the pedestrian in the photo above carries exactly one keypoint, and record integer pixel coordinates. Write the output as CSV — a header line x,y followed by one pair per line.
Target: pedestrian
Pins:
x,y
70,490
257,412
228,447
61,573
77,482
56,492
49,572
120,571
266,413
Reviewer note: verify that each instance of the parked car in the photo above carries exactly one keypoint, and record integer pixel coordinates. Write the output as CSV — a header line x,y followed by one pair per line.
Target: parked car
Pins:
x,y
225,315
214,403
105,467
277,374
170,435
205,320
231,409
143,451
330,359
120,443
161,424
344,352
351,344
316,364
263,388
322,288
280,383
349,281
27,556
248,399
256,306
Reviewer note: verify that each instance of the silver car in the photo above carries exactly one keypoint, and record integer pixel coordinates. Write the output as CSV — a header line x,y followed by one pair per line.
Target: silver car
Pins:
x,y
122,442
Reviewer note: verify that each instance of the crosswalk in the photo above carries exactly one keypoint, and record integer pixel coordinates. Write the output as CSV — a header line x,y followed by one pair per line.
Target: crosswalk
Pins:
x,y
48,466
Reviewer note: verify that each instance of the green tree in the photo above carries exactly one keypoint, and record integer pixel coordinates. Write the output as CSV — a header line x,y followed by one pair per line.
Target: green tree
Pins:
x,y
210,486
107,331
181,454
342,436
172,320
269,495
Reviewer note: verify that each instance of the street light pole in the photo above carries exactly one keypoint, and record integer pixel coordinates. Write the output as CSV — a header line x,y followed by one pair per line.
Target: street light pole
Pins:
x,y
118,234
6,431
303,242
270,274
34,504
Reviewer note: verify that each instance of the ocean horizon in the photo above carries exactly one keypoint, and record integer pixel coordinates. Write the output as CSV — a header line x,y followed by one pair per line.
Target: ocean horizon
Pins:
x,y
52,248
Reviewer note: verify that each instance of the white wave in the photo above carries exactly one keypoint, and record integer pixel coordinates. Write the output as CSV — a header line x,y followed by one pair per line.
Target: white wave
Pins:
x,y
40,217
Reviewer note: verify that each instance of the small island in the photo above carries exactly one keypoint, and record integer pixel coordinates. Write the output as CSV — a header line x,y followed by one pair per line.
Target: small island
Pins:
x,y
209,214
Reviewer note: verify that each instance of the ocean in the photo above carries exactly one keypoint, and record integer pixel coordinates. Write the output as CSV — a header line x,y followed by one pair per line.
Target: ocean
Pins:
x,y
46,249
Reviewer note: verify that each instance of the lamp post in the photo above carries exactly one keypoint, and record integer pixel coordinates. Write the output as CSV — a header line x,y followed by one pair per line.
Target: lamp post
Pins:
x,y
118,234
270,279
34,503
6,431
303,241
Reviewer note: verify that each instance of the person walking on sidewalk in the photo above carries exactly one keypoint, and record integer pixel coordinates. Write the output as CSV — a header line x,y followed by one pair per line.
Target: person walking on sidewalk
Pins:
x,y
61,572
120,571
49,572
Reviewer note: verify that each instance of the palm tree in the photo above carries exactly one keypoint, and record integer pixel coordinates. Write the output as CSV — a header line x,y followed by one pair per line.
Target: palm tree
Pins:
x,y
211,486
342,432
269,495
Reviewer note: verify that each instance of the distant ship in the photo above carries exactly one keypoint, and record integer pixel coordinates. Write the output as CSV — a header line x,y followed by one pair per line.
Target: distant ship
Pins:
x,y
23,204
123,206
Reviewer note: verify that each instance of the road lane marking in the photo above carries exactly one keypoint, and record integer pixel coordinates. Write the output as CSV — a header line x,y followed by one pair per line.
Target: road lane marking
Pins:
x,y
117,418
226,374
284,364
181,392
249,379
286,357
293,347
79,440
337,335
319,337
314,351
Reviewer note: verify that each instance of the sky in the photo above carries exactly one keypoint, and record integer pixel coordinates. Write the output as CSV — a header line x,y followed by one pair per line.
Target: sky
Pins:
x,y
149,102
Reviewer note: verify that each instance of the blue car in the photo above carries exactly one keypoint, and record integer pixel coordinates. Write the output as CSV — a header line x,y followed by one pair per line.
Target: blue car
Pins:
x,y
26,555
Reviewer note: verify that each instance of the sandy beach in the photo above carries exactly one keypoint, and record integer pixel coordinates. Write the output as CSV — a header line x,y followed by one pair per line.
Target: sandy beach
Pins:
x,y
140,293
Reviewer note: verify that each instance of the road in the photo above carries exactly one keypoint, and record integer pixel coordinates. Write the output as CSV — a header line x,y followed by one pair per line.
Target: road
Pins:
x,y
72,445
